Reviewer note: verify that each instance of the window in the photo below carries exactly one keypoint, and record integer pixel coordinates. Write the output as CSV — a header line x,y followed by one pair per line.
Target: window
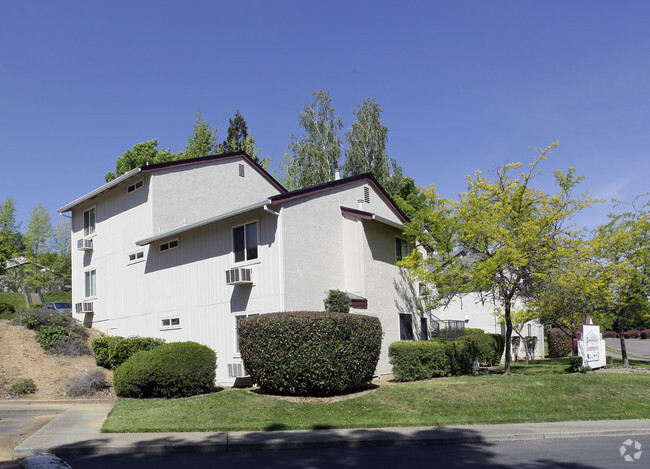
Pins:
x,y
401,249
406,327
89,221
244,242
90,283
237,319
135,186
173,244
170,323
136,257
424,329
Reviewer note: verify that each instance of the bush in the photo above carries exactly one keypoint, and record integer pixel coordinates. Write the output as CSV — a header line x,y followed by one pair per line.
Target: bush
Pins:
x,y
337,302
22,387
459,354
110,352
418,360
310,353
645,334
7,308
51,326
633,334
559,343
178,369
610,335
88,384
487,348
473,330
575,363
69,347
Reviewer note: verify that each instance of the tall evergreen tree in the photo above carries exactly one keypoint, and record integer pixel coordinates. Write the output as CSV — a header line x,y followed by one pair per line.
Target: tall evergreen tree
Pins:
x,y
237,133
315,156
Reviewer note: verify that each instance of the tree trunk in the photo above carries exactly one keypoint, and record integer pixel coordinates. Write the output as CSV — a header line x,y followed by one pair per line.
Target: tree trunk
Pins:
x,y
508,335
621,335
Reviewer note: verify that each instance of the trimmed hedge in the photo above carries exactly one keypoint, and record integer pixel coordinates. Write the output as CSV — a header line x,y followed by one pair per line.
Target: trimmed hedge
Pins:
x,y
487,348
610,335
426,359
423,359
110,352
473,330
310,353
178,369
559,343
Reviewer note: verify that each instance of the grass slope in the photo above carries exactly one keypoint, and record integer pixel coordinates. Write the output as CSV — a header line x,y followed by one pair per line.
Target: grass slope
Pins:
x,y
15,299
484,399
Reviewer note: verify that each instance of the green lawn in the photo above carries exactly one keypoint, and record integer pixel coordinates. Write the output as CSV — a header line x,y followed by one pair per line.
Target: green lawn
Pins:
x,y
530,397
15,299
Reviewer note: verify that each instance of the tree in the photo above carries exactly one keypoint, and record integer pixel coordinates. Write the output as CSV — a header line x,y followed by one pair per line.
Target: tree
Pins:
x,y
237,133
511,234
315,156
39,232
141,154
623,247
366,150
203,141
10,237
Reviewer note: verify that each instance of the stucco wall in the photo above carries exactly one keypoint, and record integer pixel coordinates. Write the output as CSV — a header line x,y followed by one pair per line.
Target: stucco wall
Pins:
x,y
187,194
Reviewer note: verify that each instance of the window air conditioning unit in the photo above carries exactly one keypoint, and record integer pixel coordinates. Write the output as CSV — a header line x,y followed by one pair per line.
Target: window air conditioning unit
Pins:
x,y
85,244
86,307
239,276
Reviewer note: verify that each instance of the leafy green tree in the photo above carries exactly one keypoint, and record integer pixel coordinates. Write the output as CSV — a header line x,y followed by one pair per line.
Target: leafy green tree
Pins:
x,y
39,232
511,234
366,150
10,237
203,141
141,154
623,247
314,156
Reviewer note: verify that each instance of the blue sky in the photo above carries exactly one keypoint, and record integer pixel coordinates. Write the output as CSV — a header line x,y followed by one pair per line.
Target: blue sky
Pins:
x,y
464,85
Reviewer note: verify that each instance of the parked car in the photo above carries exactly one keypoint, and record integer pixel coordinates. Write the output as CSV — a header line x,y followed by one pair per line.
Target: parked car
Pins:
x,y
59,306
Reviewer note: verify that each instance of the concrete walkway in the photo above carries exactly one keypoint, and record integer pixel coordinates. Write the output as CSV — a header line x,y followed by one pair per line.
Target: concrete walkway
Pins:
x,y
76,430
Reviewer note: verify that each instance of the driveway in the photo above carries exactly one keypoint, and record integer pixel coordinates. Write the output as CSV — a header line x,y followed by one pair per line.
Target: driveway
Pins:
x,y
640,348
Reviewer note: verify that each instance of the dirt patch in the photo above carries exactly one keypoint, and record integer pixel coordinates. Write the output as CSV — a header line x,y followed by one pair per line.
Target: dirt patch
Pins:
x,y
620,369
22,357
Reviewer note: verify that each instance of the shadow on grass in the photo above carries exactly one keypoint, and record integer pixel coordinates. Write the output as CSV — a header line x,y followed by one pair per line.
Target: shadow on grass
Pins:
x,y
352,392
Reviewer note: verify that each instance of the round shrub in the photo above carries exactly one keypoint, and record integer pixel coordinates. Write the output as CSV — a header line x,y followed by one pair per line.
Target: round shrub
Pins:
x,y
337,301
7,308
310,353
610,335
487,348
178,369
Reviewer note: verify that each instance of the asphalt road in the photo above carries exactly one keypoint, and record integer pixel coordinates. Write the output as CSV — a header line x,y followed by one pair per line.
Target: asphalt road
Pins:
x,y
638,347
578,453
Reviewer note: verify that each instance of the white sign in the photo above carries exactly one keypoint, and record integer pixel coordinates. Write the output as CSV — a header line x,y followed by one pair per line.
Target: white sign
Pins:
x,y
591,345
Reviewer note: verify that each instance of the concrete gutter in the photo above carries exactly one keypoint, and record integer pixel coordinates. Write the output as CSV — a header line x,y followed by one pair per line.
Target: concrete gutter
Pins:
x,y
77,431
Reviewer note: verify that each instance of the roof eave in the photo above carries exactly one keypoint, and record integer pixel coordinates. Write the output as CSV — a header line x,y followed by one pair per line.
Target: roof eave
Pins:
x,y
99,190
198,224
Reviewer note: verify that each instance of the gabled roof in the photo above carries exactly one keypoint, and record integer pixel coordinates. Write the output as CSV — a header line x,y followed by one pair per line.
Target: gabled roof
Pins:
x,y
280,198
173,164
